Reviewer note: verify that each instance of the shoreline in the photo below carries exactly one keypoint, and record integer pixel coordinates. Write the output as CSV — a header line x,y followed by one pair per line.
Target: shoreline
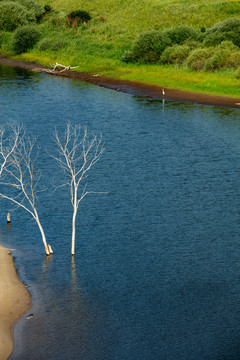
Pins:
x,y
130,87
15,300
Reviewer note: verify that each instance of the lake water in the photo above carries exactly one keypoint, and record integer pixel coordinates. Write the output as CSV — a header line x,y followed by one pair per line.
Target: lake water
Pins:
x,y
156,274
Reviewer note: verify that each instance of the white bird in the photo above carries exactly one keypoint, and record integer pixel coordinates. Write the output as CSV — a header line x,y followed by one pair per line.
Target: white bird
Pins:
x,y
163,92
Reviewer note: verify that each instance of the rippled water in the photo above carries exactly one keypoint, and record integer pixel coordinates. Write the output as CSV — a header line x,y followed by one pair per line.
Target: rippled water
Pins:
x,y
157,267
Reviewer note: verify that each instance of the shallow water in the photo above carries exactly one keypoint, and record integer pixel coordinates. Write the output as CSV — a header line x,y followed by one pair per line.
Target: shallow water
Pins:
x,y
157,265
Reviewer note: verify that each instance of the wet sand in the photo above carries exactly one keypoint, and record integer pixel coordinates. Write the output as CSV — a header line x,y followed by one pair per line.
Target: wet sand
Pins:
x,y
131,87
15,300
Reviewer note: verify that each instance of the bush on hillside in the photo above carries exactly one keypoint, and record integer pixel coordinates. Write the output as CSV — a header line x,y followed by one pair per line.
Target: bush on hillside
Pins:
x,y
24,38
179,34
149,47
127,57
228,45
175,54
5,41
238,73
225,30
201,36
217,60
225,55
75,18
233,61
47,8
197,58
193,44
230,24
12,15
35,10
214,39
51,44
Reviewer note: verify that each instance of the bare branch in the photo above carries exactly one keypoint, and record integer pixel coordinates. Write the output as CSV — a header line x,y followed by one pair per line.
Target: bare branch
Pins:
x,y
64,68
18,172
77,151
17,203
8,144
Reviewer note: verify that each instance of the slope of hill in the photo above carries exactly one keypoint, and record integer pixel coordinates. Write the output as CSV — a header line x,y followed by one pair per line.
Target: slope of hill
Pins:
x,y
98,45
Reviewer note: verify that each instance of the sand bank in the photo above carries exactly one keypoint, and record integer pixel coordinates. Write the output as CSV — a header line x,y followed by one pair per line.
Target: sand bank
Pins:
x,y
15,300
131,87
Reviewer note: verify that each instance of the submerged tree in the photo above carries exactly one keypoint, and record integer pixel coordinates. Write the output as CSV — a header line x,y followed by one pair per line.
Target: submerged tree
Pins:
x,y
78,151
8,143
20,178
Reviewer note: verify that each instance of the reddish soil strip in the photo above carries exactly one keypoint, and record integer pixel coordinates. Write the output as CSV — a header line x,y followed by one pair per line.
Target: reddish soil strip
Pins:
x,y
135,88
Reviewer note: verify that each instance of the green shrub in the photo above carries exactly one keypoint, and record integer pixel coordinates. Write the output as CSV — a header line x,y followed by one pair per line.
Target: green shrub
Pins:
x,y
230,24
35,10
44,44
175,54
12,15
127,57
75,18
233,61
228,45
193,44
214,39
201,36
149,47
5,41
51,44
83,15
47,8
225,55
238,73
225,30
216,61
24,38
197,58
179,34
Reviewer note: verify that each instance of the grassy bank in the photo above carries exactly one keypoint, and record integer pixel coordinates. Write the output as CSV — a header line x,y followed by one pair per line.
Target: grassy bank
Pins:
x,y
98,45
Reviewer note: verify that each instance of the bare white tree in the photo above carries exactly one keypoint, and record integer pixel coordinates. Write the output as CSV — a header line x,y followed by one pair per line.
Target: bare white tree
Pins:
x,y
78,151
20,174
8,143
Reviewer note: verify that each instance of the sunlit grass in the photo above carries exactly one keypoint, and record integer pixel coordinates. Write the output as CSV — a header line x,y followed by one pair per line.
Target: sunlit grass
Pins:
x,y
97,47
220,83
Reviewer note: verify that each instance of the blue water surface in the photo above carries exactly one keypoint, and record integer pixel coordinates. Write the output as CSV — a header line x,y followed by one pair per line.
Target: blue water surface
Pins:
x,y
156,274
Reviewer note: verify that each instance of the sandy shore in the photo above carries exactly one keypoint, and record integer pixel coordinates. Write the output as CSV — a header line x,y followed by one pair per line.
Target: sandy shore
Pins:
x,y
15,300
131,87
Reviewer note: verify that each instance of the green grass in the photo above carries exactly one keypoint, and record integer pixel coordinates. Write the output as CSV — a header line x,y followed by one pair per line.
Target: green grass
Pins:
x,y
100,51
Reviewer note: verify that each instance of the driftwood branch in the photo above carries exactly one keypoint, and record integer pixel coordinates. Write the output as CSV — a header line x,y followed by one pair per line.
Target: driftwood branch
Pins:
x,y
63,67
57,68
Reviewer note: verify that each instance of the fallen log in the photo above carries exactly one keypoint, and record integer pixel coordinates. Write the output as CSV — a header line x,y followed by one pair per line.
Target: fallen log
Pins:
x,y
57,68
64,68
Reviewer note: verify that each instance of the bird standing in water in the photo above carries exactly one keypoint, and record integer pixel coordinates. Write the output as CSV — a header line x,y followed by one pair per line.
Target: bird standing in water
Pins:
x,y
163,92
